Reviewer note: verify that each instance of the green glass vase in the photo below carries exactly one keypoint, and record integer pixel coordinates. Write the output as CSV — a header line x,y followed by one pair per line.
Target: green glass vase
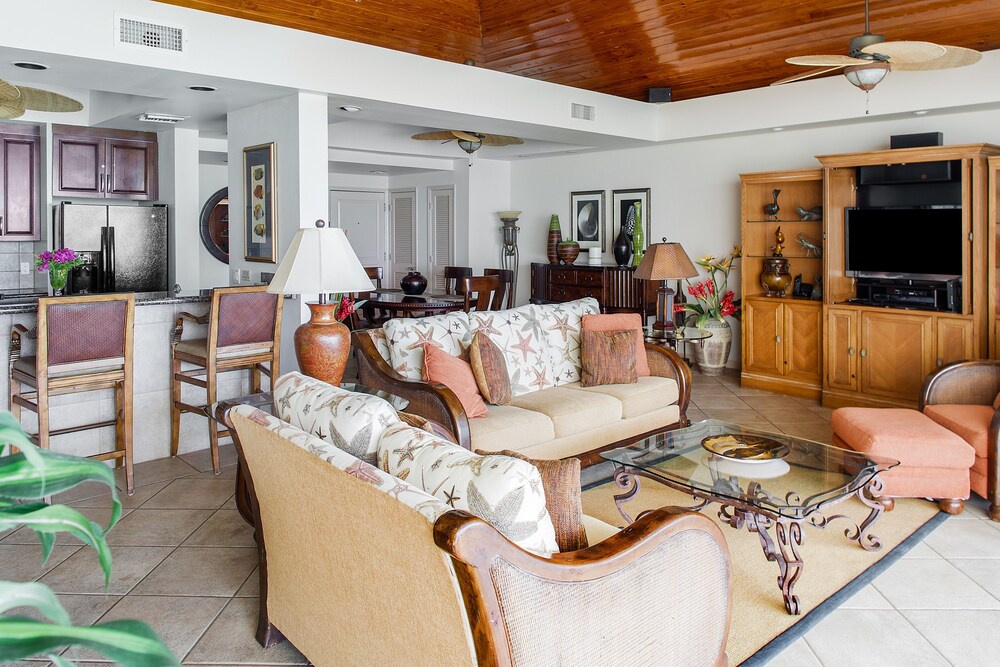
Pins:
x,y
58,275
638,239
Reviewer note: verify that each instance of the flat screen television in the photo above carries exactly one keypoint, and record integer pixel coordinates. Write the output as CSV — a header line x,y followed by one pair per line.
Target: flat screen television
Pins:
x,y
904,242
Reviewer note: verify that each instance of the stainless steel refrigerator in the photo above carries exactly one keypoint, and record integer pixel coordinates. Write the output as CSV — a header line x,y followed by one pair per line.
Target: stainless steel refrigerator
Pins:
x,y
126,245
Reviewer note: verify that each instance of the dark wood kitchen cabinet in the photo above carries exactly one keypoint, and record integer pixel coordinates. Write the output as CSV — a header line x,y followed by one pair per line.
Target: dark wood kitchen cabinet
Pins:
x,y
103,164
20,218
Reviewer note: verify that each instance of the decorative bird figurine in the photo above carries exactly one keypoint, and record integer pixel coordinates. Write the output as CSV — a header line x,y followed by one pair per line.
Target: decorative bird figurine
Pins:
x,y
778,247
812,214
772,209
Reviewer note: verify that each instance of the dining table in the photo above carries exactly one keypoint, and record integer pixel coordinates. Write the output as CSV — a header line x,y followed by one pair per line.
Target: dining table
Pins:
x,y
382,304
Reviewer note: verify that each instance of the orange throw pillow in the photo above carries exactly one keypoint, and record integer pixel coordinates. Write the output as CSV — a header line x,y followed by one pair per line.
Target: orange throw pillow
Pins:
x,y
608,357
452,372
622,322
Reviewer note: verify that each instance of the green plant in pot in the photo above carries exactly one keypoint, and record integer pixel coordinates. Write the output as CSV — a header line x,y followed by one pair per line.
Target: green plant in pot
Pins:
x,y
26,478
568,251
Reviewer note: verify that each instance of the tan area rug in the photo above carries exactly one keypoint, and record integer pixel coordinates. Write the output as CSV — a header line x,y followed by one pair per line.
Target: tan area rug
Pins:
x,y
831,561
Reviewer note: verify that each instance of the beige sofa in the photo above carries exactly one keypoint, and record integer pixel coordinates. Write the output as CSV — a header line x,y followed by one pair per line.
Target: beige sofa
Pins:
x,y
360,567
560,420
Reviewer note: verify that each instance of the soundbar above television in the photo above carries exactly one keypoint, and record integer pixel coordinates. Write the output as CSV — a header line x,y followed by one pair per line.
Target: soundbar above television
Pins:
x,y
908,243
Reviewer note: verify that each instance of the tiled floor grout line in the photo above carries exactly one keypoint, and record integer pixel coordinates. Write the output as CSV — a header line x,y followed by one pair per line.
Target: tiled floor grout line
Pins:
x,y
207,627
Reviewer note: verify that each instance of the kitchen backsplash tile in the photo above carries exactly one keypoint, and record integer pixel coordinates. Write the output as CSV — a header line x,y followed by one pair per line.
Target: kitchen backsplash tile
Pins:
x,y
8,247
10,280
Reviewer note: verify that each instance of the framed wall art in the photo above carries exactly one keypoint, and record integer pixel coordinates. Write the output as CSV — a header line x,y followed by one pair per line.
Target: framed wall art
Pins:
x,y
261,203
623,205
587,218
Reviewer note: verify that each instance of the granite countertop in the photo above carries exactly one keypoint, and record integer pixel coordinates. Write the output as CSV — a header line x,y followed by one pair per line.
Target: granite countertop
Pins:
x,y
15,303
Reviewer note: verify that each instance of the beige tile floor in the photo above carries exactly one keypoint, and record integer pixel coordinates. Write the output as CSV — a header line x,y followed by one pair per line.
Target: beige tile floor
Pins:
x,y
184,562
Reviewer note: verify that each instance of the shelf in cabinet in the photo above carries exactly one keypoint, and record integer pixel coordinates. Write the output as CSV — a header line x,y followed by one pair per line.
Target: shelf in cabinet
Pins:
x,y
753,256
788,221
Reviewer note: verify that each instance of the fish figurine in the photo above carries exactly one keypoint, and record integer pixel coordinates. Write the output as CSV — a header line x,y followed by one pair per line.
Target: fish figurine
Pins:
x,y
812,214
811,248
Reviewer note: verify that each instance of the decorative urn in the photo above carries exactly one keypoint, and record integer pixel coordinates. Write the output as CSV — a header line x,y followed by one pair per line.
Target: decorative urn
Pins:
x,y
413,283
775,277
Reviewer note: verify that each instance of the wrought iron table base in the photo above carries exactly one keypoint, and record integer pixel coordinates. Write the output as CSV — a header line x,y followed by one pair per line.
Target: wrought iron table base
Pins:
x,y
784,550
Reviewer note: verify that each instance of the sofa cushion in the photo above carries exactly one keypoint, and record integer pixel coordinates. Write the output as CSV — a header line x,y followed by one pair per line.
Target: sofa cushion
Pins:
x,y
597,530
908,436
508,426
352,422
561,481
456,374
418,499
517,333
608,357
407,336
649,393
490,369
561,324
971,422
571,411
505,492
381,344
622,322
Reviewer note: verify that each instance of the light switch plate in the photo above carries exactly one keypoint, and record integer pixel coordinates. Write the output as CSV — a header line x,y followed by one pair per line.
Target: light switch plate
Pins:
x,y
236,276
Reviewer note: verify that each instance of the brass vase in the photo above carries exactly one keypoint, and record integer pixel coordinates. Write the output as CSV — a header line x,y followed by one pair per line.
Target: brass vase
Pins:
x,y
775,278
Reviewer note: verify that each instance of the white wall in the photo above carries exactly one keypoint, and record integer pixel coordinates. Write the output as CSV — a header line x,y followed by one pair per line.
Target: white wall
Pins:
x,y
178,160
695,196
489,192
212,178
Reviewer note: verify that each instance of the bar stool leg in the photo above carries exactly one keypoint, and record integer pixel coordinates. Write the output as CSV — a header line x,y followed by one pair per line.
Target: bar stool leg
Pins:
x,y
213,431
119,427
43,417
13,389
255,379
175,412
126,418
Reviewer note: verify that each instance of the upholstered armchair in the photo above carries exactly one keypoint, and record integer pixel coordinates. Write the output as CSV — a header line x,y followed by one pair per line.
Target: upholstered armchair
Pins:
x,y
962,397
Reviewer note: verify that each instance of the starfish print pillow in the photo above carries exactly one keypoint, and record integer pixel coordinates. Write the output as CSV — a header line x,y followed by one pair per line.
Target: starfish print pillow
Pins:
x,y
518,334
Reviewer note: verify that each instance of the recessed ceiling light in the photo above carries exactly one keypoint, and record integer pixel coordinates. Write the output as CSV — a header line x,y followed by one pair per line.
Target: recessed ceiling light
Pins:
x,y
378,172
350,108
203,89
28,65
777,129
920,113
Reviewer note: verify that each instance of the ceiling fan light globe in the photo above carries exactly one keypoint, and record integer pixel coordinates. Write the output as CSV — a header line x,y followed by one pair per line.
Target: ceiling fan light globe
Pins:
x,y
866,77
469,147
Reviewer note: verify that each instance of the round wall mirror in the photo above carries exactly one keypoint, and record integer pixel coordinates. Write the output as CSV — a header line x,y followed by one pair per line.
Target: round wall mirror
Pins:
x,y
215,225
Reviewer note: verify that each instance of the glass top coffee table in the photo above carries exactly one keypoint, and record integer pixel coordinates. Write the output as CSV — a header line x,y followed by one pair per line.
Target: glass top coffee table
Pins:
x,y
782,482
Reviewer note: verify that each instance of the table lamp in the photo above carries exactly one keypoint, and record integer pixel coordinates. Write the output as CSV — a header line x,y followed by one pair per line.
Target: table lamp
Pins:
x,y
663,262
320,259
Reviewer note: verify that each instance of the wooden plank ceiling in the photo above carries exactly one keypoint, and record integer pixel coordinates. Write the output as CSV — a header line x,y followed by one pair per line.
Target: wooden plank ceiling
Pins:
x,y
697,47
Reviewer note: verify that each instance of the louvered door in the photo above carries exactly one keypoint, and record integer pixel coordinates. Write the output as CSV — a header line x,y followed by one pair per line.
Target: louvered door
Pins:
x,y
403,233
442,235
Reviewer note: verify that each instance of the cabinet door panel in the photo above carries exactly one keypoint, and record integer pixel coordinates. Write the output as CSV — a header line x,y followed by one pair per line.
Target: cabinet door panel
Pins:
x,y
897,354
78,166
19,207
841,349
131,169
762,328
954,340
803,325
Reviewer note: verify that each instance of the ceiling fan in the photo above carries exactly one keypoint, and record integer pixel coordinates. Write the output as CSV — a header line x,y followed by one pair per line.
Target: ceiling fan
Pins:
x,y
15,100
470,142
871,57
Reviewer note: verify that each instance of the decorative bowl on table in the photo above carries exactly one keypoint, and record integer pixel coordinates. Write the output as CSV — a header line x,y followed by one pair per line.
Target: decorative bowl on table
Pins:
x,y
745,448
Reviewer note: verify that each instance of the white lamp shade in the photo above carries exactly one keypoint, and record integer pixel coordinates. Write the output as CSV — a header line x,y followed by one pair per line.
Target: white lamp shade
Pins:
x,y
320,260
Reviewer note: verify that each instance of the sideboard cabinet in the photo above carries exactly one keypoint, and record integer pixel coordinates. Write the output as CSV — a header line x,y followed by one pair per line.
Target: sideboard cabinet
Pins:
x,y
97,163
615,287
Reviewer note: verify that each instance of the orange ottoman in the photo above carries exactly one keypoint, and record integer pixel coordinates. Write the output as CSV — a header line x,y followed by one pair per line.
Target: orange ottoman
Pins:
x,y
933,461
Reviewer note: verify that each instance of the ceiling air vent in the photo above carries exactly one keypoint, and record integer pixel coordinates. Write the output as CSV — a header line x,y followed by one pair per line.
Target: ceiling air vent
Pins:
x,y
161,118
137,32
584,111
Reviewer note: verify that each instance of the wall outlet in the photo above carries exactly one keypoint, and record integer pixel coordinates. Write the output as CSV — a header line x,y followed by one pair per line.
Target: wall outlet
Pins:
x,y
236,276
244,275
25,268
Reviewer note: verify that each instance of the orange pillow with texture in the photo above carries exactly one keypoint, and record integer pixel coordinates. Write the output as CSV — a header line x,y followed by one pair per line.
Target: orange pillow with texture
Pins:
x,y
996,402
452,372
608,357
622,322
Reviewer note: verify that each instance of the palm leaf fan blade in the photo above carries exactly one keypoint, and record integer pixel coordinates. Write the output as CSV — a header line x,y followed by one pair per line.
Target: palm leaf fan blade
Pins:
x,y
46,100
8,91
11,109
501,140
444,135
954,56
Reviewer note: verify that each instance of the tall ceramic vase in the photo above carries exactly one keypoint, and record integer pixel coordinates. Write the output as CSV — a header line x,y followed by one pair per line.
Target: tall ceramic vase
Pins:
x,y
712,353
638,240
555,236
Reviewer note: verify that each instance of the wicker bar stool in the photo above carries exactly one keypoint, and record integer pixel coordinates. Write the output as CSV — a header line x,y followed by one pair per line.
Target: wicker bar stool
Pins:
x,y
84,344
244,332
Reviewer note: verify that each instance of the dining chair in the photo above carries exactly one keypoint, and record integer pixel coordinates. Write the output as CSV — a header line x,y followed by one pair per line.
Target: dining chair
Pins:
x,y
84,344
488,292
372,316
244,333
507,276
453,276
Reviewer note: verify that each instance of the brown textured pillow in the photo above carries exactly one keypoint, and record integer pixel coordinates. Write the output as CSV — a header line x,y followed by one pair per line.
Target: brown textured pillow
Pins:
x,y
561,483
608,357
490,369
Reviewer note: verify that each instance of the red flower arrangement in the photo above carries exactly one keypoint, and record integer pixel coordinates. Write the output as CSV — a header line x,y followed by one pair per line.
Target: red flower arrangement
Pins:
x,y
708,304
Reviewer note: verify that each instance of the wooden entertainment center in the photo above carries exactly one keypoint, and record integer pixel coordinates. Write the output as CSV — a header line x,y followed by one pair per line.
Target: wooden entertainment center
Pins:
x,y
877,349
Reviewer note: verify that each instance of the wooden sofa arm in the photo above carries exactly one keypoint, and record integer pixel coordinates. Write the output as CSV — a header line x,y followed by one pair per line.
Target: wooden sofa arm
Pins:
x,y
665,362
508,590
963,382
429,400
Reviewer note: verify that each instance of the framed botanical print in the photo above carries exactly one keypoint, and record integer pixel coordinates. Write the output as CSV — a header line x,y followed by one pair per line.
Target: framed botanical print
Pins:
x,y
623,205
260,201
587,218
